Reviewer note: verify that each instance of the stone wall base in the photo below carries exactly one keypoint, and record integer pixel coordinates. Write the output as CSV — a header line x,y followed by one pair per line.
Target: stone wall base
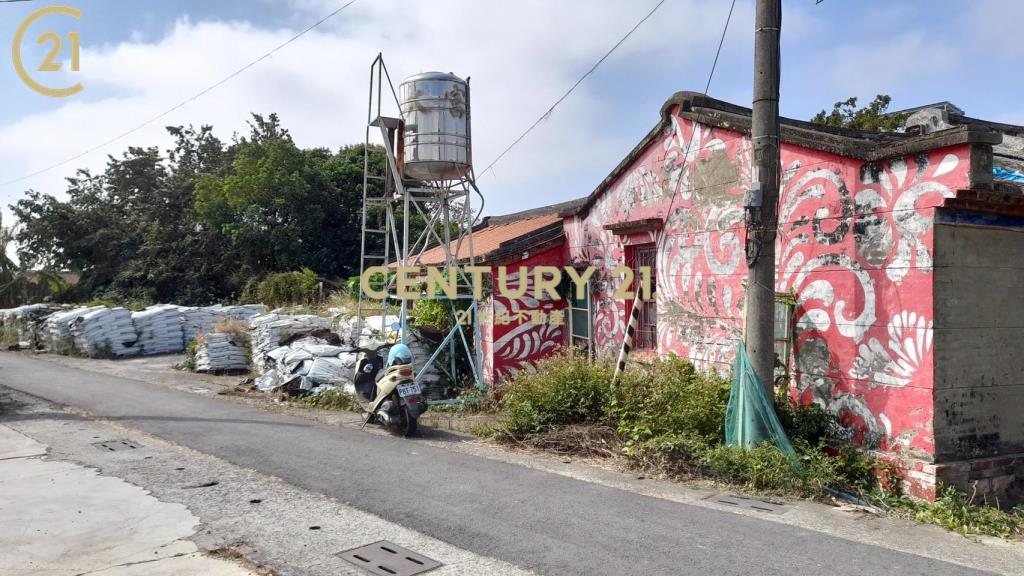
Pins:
x,y
996,480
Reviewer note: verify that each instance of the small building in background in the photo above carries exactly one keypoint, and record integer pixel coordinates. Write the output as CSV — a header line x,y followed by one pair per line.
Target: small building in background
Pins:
x,y
516,330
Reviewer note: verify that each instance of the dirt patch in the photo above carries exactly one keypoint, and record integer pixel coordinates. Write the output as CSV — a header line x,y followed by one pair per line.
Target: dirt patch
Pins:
x,y
458,422
237,554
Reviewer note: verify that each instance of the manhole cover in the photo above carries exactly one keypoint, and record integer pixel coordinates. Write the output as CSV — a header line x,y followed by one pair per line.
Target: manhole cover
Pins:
x,y
116,445
737,501
388,559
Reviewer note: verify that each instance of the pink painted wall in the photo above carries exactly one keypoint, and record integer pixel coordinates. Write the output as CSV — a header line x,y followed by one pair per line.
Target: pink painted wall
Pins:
x,y
512,348
855,246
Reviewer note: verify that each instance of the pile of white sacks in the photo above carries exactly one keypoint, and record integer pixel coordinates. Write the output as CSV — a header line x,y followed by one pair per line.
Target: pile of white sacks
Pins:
x,y
159,329
268,330
369,329
105,332
307,363
21,322
56,330
312,364
221,352
196,321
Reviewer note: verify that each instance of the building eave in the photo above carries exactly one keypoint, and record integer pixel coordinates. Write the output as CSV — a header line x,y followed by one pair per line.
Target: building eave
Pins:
x,y
851,143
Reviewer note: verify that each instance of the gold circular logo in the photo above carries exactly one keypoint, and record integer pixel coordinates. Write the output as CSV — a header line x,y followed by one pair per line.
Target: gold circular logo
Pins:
x,y
49,64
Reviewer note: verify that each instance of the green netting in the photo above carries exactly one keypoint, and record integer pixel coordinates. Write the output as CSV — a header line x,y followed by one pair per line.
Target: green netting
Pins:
x,y
750,416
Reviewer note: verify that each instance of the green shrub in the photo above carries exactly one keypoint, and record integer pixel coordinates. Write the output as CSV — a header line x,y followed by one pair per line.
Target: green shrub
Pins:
x,y
333,399
808,422
669,419
189,363
283,288
435,314
763,467
672,454
671,398
767,468
566,389
857,472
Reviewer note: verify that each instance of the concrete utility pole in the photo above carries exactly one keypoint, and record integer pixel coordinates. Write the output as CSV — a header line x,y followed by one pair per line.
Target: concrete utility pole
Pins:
x,y
762,200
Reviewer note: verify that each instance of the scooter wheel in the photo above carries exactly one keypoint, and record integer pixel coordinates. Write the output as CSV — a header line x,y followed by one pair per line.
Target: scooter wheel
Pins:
x,y
406,425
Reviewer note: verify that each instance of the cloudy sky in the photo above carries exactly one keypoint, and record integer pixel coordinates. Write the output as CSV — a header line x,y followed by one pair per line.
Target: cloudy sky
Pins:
x,y
140,57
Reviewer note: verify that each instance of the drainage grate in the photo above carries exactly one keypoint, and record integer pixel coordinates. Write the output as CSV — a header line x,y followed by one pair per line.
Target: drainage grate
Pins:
x,y
116,445
388,559
738,501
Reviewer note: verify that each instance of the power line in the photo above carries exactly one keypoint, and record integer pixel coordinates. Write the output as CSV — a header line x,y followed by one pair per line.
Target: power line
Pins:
x,y
627,340
192,98
572,88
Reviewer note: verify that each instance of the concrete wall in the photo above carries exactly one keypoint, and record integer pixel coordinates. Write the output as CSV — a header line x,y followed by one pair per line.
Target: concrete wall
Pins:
x,y
979,355
979,337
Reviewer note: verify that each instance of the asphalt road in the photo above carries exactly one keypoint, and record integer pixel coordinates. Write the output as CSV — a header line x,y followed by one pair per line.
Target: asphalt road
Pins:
x,y
540,521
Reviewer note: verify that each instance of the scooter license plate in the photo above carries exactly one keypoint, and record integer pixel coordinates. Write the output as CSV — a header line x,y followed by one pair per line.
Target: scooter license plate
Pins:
x,y
408,390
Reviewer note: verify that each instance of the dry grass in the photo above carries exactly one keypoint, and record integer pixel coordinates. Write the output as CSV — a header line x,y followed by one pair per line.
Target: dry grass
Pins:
x,y
583,440
231,326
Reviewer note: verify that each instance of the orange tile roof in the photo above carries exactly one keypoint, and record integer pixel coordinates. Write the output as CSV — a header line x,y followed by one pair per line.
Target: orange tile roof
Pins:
x,y
488,240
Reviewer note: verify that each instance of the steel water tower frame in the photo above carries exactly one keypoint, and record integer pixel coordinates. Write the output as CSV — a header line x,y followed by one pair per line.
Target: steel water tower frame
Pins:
x,y
437,184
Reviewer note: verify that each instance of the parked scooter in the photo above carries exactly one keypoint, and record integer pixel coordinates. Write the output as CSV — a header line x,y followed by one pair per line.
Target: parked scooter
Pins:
x,y
393,399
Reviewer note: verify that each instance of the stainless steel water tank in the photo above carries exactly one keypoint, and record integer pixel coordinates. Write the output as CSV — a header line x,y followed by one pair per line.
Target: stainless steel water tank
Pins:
x,y
435,107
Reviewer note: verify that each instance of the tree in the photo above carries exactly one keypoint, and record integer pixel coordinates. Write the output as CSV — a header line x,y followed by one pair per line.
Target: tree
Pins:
x,y
872,117
195,225
130,231
7,266
18,286
284,208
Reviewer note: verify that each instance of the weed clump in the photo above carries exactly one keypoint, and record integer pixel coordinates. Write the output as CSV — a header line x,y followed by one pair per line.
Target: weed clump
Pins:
x,y
189,363
667,417
957,511
566,389
333,399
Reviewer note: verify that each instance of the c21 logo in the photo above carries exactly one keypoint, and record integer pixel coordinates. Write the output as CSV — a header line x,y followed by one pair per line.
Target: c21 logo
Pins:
x,y
50,62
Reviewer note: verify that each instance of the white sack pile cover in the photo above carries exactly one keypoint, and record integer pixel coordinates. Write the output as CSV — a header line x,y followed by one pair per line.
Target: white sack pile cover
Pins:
x,y
218,352
368,330
57,329
103,331
159,329
310,362
20,319
196,321
269,329
245,312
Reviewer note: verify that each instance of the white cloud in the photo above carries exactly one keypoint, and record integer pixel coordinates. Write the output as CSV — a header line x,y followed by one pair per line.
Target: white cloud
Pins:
x,y
520,56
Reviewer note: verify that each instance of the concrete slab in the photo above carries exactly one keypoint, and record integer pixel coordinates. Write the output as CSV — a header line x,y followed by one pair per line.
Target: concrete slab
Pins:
x,y
16,445
59,518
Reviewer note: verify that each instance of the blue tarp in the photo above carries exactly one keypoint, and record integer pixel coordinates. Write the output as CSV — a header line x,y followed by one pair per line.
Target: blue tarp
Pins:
x,y
1007,175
